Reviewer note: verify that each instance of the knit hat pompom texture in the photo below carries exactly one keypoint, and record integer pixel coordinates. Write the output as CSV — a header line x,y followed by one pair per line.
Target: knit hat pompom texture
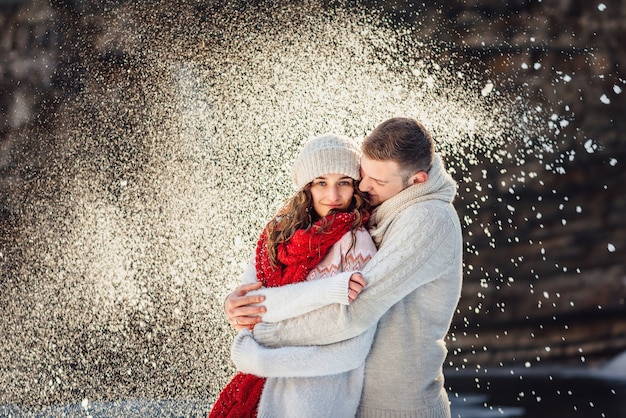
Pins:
x,y
326,154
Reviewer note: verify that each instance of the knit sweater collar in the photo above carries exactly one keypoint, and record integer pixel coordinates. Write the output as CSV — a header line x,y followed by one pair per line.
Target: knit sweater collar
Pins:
x,y
439,186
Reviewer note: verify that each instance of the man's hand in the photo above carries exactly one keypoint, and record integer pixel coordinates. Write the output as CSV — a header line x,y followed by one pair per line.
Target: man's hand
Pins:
x,y
356,284
239,308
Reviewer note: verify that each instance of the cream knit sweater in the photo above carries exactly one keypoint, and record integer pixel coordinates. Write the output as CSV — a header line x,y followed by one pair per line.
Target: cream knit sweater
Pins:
x,y
315,381
414,284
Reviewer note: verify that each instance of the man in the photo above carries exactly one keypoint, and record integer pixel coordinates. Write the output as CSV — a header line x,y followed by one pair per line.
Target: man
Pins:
x,y
413,282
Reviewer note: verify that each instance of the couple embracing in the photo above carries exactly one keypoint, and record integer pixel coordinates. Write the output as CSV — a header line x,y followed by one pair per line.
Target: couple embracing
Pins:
x,y
345,305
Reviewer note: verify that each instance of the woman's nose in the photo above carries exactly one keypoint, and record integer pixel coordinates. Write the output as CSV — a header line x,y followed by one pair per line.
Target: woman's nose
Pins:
x,y
333,194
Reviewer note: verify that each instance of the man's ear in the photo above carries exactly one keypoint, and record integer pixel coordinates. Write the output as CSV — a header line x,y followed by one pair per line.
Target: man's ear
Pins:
x,y
419,177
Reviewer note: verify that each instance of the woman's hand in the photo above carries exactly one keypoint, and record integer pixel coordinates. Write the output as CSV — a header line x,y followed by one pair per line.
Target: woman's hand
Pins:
x,y
241,310
356,284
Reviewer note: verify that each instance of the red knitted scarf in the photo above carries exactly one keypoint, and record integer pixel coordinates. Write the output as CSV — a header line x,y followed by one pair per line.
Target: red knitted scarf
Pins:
x,y
297,257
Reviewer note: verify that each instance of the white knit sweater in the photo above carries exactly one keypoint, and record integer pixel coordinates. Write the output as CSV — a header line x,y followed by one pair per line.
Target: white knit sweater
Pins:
x,y
314,381
414,284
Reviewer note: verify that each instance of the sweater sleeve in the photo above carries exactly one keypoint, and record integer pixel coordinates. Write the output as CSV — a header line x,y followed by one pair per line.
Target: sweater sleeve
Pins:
x,y
418,248
292,300
297,299
308,361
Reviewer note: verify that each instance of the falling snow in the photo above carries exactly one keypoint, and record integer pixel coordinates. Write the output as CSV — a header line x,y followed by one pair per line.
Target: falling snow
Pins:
x,y
182,156
126,268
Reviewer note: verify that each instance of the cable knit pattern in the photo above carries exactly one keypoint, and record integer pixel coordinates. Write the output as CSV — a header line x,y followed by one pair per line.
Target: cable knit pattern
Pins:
x,y
414,284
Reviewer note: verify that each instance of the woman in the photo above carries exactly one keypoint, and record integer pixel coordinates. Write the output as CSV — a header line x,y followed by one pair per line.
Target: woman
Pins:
x,y
317,234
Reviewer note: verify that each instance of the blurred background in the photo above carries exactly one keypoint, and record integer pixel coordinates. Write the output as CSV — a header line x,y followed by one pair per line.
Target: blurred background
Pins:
x,y
142,146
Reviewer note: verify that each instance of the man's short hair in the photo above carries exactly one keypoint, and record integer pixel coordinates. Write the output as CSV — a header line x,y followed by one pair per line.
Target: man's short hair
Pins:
x,y
403,140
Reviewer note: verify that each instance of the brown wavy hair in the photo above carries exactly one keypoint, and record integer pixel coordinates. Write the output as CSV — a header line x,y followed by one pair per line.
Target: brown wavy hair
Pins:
x,y
403,140
298,213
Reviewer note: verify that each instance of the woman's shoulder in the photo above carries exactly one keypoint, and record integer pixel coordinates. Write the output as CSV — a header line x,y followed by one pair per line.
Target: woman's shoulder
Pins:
x,y
361,241
361,233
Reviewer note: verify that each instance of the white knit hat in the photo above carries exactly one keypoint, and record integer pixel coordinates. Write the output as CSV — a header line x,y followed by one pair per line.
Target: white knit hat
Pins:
x,y
326,154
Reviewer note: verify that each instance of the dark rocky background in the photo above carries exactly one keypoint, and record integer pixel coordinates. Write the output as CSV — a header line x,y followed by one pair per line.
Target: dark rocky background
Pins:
x,y
557,280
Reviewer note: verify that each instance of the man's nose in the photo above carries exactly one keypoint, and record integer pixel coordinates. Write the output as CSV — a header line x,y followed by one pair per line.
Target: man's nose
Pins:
x,y
365,185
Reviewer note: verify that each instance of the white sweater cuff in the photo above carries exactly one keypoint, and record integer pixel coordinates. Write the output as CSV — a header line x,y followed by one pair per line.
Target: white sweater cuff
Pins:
x,y
241,351
338,290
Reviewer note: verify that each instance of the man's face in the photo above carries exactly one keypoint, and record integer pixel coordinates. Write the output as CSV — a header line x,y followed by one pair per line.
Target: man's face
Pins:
x,y
380,179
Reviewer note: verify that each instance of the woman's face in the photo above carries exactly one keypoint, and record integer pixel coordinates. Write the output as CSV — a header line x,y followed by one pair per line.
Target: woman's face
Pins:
x,y
331,191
